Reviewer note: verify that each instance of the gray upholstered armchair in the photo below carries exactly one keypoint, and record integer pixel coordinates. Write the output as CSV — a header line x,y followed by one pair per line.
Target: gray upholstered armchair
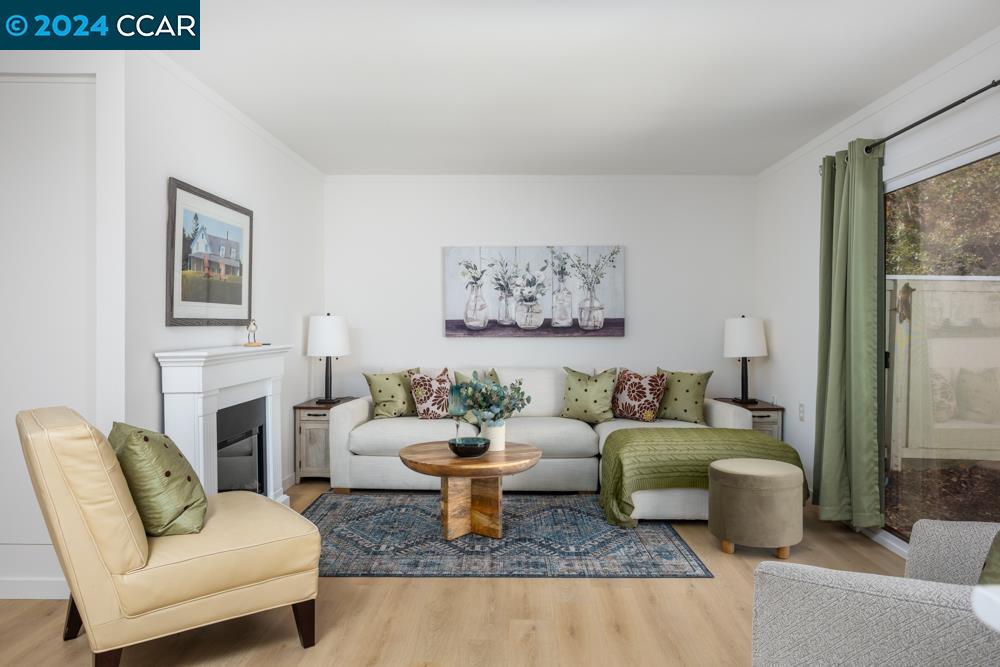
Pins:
x,y
811,615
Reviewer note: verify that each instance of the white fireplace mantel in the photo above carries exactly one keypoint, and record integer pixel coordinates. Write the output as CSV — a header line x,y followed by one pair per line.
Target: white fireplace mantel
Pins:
x,y
197,383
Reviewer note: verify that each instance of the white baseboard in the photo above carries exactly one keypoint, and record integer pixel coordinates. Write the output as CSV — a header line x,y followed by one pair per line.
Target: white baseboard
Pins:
x,y
31,571
889,541
34,589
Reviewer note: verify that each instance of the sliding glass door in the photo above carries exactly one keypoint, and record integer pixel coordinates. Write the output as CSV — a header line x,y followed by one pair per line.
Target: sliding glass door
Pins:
x,y
942,396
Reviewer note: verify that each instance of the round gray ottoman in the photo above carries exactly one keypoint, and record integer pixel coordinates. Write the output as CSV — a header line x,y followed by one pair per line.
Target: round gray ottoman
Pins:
x,y
755,503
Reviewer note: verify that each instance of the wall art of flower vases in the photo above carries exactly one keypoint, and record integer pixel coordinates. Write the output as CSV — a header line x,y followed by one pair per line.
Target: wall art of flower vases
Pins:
x,y
534,291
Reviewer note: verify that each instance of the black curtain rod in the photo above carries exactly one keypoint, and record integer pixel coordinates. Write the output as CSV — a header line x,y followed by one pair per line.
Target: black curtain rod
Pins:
x,y
992,84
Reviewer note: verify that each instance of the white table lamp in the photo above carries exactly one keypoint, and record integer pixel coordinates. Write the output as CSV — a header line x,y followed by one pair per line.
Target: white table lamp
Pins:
x,y
328,338
744,338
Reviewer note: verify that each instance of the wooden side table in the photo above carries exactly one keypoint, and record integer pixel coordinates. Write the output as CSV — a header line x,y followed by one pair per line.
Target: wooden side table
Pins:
x,y
312,428
471,488
767,417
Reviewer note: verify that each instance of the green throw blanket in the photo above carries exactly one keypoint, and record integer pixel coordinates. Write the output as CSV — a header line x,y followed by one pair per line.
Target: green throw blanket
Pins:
x,y
638,459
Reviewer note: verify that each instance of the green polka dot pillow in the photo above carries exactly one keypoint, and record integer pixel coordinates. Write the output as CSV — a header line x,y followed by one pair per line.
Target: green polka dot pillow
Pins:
x,y
392,394
166,491
588,397
684,396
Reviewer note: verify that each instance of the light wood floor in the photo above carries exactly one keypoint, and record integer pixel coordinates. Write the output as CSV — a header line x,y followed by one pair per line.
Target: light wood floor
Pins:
x,y
467,622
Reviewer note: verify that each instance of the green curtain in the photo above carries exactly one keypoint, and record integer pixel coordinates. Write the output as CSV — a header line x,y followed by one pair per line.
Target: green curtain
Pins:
x,y
848,466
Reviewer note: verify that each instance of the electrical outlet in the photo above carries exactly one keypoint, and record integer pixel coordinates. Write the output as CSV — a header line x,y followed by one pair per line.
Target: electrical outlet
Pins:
x,y
802,412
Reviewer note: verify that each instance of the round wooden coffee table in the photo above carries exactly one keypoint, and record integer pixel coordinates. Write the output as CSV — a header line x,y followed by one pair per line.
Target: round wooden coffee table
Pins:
x,y
471,488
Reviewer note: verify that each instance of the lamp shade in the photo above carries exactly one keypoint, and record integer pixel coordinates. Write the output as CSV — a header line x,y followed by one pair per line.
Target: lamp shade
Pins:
x,y
328,336
744,337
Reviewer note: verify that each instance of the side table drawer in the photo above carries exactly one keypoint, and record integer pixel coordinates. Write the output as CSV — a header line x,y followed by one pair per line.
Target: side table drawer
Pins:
x,y
768,422
313,415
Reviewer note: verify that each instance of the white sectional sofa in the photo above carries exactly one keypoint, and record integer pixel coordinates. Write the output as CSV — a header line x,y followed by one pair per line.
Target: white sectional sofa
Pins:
x,y
364,452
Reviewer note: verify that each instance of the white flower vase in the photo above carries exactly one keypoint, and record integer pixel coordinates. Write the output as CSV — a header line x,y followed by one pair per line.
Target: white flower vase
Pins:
x,y
497,435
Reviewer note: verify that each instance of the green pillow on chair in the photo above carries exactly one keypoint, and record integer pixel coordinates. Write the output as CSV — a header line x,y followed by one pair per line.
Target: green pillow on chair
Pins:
x,y
588,397
164,486
684,396
991,570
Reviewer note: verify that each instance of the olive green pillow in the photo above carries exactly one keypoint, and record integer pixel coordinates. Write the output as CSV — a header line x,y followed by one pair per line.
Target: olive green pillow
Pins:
x,y
491,376
684,396
991,570
588,397
392,394
164,486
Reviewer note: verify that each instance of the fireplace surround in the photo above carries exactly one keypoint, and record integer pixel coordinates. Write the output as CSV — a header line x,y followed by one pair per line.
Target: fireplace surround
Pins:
x,y
197,384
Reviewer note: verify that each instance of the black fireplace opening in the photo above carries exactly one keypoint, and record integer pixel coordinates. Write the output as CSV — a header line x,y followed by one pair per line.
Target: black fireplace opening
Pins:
x,y
241,448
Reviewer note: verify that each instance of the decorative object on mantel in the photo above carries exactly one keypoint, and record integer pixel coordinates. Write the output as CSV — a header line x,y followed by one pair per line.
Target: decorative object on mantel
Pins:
x,y
252,335
592,276
209,258
328,337
744,338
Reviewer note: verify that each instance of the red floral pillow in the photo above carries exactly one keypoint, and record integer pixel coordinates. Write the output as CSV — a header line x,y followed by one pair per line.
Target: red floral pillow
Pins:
x,y
430,394
638,396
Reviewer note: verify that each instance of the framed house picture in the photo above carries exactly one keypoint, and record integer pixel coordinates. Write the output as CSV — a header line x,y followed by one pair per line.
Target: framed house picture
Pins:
x,y
209,258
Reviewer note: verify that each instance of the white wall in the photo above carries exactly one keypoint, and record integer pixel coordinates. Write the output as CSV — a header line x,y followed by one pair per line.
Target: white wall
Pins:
x,y
47,130
687,241
785,272
177,127
89,143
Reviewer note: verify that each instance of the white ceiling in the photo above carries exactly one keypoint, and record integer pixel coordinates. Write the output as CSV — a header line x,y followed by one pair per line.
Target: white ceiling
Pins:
x,y
566,86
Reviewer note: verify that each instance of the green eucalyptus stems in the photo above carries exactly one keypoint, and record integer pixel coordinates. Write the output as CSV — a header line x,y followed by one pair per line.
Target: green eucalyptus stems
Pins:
x,y
489,402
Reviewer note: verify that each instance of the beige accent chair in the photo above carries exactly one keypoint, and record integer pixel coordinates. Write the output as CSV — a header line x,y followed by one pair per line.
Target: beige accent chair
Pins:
x,y
252,555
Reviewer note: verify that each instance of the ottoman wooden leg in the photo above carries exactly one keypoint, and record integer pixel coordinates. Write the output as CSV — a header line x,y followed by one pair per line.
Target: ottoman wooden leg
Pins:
x,y
728,547
783,552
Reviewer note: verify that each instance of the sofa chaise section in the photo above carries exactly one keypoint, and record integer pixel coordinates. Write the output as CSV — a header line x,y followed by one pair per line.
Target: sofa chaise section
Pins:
x,y
364,452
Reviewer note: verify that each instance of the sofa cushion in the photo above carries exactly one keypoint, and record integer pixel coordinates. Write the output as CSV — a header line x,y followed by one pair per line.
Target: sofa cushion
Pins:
x,y
430,394
544,385
684,396
392,394
638,396
247,539
605,429
385,437
588,397
558,438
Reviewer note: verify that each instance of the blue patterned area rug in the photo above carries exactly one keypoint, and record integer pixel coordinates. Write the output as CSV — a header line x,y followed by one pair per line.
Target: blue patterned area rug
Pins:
x,y
399,535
